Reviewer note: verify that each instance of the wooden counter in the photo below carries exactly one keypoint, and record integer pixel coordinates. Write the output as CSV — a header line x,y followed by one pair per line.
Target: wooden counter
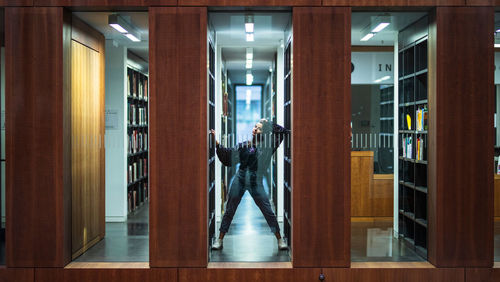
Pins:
x,y
371,194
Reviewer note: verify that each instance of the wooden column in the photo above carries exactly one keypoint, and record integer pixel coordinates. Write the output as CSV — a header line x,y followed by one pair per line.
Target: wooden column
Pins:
x,y
461,137
38,201
178,137
320,137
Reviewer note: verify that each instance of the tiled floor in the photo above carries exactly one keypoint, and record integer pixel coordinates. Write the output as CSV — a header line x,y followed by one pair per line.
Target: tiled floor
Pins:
x,y
124,242
249,238
374,242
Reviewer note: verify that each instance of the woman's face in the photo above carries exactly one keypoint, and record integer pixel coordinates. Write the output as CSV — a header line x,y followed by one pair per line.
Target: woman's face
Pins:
x,y
257,129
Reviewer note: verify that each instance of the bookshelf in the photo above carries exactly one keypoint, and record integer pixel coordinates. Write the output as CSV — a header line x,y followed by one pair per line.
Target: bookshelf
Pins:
x,y
413,141
211,150
385,151
227,133
137,135
287,195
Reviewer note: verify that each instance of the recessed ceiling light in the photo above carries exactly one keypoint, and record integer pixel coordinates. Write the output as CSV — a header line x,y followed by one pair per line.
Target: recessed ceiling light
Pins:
x,y
250,37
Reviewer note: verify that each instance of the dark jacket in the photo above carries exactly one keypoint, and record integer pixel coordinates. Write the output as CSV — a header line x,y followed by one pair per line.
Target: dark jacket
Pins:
x,y
251,157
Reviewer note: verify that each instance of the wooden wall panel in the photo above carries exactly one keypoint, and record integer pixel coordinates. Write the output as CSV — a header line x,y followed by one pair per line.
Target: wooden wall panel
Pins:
x,y
249,2
178,137
407,275
87,125
321,146
16,3
271,275
482,274
104,3
361,183
482,2
400,3
461,137
105,275
36,233
16,274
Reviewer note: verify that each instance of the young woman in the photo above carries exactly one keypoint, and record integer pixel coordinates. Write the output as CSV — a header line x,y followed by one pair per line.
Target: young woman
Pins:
x,y
254,157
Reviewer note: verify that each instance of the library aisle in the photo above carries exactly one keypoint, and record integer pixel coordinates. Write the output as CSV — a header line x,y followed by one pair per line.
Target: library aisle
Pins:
x,y
249,238
124,242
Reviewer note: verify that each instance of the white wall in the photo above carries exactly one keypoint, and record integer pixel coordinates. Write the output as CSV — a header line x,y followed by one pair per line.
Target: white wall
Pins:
x,y
116,132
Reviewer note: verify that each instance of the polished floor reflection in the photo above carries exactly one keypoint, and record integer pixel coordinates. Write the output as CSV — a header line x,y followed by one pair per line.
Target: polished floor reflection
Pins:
x,y
124,241
249,238
497,241
374,242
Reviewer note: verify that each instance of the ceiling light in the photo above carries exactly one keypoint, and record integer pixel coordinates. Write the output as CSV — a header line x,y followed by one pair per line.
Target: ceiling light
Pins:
x,y
380,26
250,37
382,79
249,78
270,68
249,23
249,53
248,27
282,43
127,29
379,23
248,65
118,27
367,36
132,37
497,45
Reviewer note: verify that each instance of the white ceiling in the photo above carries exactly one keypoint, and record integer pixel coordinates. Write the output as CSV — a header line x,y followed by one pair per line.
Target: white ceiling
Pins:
x,y
269,29
99,21
399,20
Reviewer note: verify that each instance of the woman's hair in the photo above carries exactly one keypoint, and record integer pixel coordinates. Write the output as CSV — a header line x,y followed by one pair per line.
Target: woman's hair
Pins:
x,y
267,127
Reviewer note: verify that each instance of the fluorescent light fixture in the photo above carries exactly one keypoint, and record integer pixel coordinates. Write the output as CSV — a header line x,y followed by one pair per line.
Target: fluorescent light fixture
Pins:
x,y
367,36
124,27
250,37
270,68
379,27
249,53
382,79
119,28
132,37
248,65
282,43
249,78
248,27
497,45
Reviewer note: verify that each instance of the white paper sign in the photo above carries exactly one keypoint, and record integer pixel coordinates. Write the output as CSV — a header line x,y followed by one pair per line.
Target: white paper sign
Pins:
x,y
112,119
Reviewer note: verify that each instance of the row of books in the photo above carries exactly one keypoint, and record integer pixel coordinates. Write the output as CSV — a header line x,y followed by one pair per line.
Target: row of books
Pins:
x,y
137,169
422,118
136,87
137,115
407,146
420,148
137,142
134,199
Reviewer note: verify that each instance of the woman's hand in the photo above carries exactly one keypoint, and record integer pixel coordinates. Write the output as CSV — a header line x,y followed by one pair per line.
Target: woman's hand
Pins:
x,y
214,141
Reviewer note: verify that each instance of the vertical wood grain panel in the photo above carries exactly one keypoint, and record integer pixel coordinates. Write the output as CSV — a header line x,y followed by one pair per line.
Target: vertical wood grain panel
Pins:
x,y
461,137
105,275
87,153
103,3
361,183
34,141
249,3
407,275
178,137
16,2
482,274
271,275
399,3
17,274
320,142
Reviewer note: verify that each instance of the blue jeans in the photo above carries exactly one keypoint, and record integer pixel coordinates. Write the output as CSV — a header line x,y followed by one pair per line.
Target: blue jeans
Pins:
x,y
258,194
